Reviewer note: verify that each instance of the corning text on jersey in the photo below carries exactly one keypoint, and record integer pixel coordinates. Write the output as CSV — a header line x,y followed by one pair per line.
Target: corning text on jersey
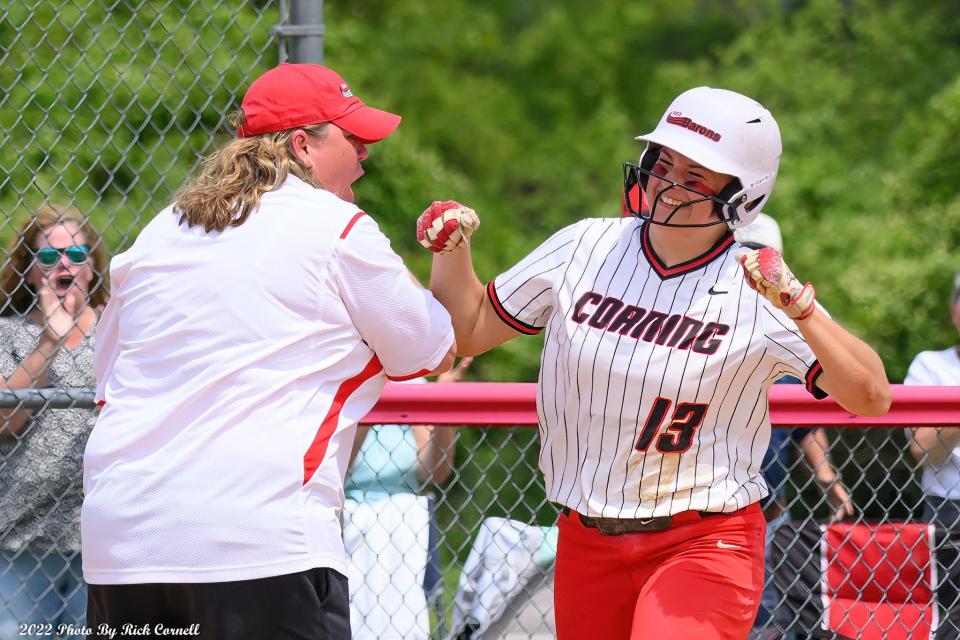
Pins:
x,y
676,331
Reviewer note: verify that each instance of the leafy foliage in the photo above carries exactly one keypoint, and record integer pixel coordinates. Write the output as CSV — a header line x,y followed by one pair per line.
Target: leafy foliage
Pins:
x,y
525,109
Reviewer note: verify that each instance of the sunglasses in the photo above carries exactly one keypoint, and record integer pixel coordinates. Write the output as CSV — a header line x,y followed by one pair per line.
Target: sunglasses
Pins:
x,y
49,256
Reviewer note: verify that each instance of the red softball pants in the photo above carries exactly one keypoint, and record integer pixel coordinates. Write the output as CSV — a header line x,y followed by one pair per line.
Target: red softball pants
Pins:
x,y
700,578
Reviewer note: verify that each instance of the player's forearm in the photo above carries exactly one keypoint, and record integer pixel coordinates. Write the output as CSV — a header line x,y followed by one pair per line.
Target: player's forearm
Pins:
x,y
932,446
853,373
455,284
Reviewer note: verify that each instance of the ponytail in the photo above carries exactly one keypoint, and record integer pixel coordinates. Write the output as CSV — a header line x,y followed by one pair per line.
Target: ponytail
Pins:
x,y
234,178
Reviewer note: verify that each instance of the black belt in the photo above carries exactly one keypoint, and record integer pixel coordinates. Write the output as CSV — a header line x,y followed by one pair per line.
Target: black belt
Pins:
x,y
619,526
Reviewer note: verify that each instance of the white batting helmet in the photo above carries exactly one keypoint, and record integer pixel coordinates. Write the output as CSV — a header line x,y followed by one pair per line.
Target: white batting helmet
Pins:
x,y
728,133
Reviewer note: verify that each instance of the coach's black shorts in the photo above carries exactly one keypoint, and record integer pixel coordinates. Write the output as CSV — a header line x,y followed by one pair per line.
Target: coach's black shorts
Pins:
x,y
312,604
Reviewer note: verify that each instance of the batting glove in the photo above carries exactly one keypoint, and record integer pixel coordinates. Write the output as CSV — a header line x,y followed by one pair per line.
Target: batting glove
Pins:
x,y
767,273
446,226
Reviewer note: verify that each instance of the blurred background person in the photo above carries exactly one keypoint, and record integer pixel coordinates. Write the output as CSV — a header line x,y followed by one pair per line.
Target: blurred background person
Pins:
x,y
388,525
937,450
52,286
781,456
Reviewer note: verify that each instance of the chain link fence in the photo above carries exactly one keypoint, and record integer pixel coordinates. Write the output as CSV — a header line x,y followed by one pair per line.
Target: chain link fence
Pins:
x,y
105,109
109,106
874,573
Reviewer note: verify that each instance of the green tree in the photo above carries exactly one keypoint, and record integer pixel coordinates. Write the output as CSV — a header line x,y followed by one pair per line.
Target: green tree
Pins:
x,y
526,109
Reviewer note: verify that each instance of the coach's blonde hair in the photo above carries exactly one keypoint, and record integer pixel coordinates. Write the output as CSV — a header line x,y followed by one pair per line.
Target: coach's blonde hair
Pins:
x,y
16,296
234,178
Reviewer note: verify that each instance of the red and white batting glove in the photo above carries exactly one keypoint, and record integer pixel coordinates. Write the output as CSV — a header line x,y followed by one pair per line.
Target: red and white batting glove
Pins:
x,y
446,226
767,273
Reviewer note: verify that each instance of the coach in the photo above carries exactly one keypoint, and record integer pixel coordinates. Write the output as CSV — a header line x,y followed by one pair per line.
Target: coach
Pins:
x,y
252,324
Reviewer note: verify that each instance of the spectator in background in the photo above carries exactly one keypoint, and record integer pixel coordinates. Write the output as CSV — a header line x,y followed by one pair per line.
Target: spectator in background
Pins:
x,y
781,453
52,287
387,523
938,452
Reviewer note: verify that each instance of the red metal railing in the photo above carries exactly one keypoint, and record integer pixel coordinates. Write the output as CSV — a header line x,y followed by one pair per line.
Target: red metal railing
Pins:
x,y
514,403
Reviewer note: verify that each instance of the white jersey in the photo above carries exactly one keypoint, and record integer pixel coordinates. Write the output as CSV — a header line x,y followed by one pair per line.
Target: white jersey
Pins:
x,y
234,367
652,396
939,368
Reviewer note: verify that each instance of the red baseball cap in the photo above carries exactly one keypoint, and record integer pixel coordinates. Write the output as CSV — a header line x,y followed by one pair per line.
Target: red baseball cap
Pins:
x,y
295,95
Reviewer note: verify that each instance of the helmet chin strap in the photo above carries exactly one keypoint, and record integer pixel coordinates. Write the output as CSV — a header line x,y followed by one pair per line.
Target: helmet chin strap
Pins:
x,y
676,209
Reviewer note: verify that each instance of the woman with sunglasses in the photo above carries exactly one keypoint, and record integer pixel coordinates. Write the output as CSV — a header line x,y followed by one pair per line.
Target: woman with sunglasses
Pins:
x,y
662,338
52,286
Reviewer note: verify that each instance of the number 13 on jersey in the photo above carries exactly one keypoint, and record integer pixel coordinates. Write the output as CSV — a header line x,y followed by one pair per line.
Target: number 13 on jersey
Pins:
x,y
687,418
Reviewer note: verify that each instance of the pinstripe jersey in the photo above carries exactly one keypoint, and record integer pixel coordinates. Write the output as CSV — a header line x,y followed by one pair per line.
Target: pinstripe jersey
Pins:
x,y
652,396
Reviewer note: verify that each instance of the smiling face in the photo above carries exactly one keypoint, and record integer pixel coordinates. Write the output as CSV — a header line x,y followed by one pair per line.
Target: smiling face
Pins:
x,y
334,159
687,202
64,274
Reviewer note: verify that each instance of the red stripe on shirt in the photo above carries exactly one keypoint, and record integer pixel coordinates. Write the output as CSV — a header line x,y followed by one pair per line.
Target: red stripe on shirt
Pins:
x,y
418,374
512,322
353,221
318,448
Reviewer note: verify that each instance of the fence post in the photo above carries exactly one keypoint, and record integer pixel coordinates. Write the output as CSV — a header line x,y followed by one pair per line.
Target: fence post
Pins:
x,y
303,25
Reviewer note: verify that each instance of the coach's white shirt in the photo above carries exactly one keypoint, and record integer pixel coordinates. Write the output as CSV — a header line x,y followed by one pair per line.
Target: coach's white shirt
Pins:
x,y
938,368
234,367
652,396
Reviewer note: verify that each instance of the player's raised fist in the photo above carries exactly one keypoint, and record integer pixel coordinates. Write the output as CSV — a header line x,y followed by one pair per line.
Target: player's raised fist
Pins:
x,y
765,271
446,226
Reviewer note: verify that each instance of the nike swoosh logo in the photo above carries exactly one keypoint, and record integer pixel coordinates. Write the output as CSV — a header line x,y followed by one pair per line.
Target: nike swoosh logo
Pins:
x,y
723,545
645,522
714,292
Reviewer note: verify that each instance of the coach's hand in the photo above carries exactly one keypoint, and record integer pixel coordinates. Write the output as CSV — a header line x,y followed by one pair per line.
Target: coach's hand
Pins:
x,y
766,272
446,226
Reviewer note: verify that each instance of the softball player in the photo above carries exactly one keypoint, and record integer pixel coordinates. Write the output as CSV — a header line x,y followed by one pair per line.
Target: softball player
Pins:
x,y
657,358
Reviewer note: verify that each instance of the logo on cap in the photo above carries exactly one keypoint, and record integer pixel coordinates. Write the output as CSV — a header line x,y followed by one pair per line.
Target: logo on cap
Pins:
x,y
345,90
675,117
